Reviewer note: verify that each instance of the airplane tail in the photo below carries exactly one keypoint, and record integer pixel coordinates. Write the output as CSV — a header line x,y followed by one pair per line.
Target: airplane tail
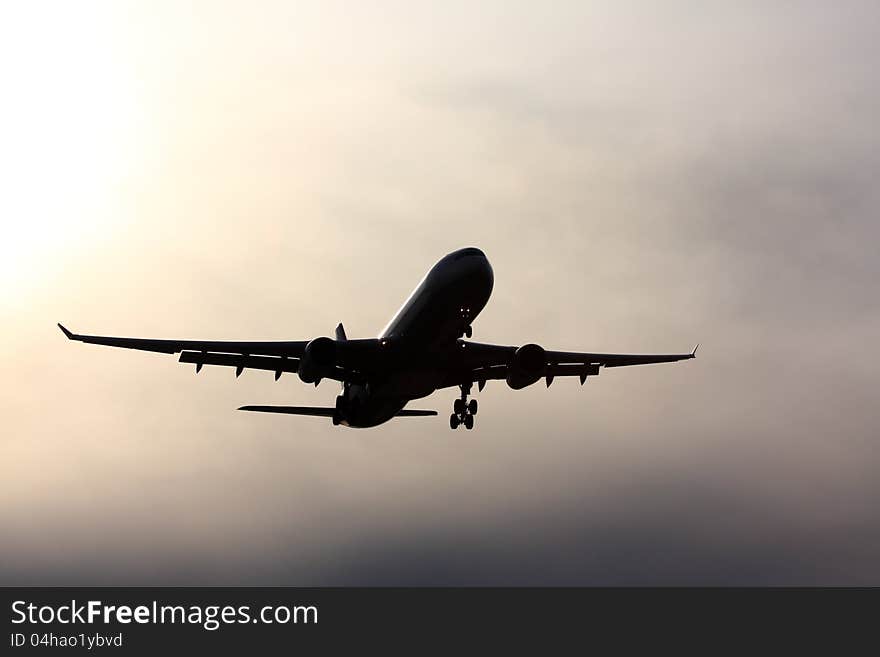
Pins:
x,y
340,337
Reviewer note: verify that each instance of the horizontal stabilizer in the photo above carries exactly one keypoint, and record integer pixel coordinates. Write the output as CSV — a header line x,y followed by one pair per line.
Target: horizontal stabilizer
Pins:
x,y
292,410
323,412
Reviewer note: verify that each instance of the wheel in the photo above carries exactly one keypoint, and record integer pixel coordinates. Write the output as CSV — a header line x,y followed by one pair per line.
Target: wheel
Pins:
x,y
468,331
340,403
453,421
458,406
468,421
336,419
472,407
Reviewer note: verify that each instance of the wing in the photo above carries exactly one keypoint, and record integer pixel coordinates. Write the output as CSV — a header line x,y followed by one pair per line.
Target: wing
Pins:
x,y
278,357
617,360
294,349
478,362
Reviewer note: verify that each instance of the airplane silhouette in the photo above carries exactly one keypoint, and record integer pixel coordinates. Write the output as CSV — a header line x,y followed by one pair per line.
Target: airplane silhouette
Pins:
x,y
421,350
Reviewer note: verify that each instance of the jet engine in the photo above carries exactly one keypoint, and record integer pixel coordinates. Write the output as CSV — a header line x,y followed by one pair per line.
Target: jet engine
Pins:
x,y
319,358
526,367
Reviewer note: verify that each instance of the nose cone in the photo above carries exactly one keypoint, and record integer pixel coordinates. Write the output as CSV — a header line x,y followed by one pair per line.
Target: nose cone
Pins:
x,y
469,263
478,270
467,252
483,264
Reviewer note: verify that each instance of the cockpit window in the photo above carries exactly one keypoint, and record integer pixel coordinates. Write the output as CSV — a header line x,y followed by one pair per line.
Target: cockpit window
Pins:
x,y
470,251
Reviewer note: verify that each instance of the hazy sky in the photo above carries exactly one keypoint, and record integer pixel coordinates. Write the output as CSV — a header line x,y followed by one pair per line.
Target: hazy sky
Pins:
x,y
641,175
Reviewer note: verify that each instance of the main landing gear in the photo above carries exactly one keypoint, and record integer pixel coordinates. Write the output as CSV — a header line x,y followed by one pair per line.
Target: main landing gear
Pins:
x,y
339,410
463,410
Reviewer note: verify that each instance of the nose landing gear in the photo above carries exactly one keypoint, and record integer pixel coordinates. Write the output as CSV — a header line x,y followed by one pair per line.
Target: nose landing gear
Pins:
x,y
466,331
463,410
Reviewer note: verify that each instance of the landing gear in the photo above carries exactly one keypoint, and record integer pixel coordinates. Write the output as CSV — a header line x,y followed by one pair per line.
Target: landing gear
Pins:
x,y
465,315
463,410
338,411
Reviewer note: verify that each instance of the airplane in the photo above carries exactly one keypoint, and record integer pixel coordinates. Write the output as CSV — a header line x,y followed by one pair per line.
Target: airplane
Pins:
x,y
422,349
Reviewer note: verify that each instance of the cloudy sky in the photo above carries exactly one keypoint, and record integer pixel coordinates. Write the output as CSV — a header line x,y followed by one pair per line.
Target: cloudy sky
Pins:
x,y
641,175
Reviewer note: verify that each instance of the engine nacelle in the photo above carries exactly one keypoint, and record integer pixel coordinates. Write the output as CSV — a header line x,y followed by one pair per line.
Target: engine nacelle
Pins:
x,y
319,358
527,366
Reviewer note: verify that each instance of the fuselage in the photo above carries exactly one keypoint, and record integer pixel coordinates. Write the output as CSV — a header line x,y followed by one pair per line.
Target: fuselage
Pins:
x,y
422,335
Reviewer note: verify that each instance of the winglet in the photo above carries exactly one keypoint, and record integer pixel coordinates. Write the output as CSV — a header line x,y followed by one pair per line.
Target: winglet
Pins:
x,y
69,335
694,352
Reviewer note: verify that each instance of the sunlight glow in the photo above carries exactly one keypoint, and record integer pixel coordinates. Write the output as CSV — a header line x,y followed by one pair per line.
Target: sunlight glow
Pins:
x,y
66,135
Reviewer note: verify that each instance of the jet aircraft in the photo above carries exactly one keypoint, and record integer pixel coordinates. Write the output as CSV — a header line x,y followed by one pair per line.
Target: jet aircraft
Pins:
x,y
425,347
